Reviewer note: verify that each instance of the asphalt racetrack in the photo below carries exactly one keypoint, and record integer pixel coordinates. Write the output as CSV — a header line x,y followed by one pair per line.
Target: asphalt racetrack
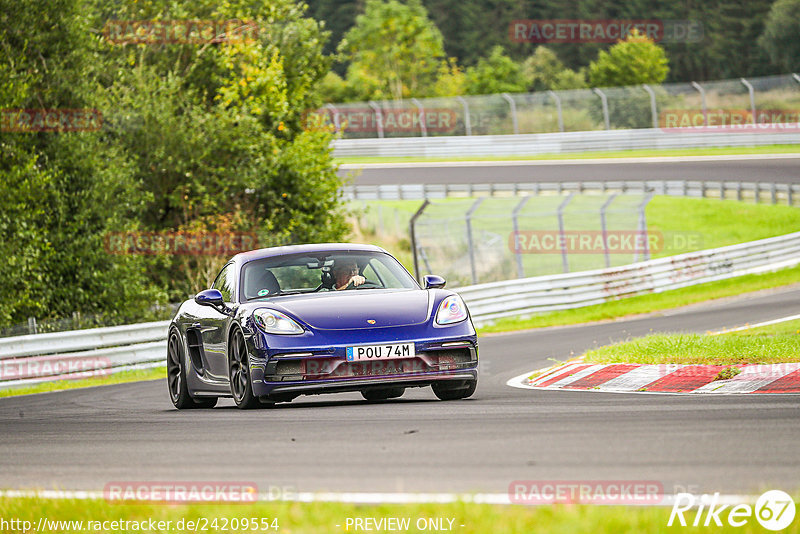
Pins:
x,y
781,168
84,439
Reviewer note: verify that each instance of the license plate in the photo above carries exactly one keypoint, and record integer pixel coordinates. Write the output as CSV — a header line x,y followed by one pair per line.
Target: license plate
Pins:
x,y
365,353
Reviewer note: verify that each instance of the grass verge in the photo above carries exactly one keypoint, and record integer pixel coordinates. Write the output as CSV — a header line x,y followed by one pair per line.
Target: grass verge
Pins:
x,y
313,518
116,378
717,151
778,343
650,302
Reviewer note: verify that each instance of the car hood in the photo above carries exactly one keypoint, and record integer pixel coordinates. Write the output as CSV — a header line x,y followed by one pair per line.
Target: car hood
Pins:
x,y
354,309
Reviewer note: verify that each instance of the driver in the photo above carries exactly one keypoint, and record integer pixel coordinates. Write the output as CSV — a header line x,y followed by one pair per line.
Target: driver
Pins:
x,y
345,272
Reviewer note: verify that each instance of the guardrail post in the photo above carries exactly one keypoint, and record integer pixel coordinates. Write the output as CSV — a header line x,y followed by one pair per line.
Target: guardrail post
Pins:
x,y
422,126
562,233
653,106
703,100
604,101
413,234
470,243
604,227
467,122
752,98
515,224
557,98
796,77
773,193
643,227
378,117
513,106
789,198
337,125
739,192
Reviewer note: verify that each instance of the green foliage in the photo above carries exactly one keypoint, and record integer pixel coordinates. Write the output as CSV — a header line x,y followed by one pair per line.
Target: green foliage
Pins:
x,y
544,71
496,73
781,30
634,61
398,45
195,138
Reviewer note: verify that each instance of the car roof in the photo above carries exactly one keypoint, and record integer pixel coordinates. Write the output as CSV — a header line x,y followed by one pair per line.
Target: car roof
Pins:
x,y
245,257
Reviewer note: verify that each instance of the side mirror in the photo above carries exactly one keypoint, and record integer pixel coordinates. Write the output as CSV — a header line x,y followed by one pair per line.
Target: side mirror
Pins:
x,y
433,282
209,297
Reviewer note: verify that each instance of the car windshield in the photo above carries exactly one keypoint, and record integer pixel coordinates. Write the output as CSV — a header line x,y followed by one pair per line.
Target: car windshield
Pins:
x,y
322,272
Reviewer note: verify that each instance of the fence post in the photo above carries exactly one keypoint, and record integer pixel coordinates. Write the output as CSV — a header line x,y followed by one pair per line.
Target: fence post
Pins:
x,y
557,98
470,243
643,226
422,127
337,125
513,106
752,98
413,234
378,116
604,227
703,100
653,106
515,223
604,100
467,122
32,326
561,232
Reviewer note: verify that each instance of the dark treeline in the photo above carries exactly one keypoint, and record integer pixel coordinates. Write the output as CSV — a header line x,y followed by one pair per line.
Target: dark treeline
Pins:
x,y
471,28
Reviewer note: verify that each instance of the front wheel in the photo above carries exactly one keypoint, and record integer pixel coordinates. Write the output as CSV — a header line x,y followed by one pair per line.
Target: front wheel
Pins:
x,y
445,391
239,373
176,377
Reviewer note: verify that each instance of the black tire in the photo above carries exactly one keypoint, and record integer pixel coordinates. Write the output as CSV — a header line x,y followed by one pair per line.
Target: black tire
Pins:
x,y
447,392
382,394
239,373
176,376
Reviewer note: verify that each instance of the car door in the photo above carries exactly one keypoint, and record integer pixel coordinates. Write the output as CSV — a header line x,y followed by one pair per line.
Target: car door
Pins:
x,y
213,325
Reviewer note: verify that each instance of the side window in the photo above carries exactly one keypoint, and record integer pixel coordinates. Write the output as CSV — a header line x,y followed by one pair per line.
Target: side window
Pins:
x,y
224,282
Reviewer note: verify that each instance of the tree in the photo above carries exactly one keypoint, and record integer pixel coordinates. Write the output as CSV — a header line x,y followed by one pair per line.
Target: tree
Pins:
x,y
544,71
398,45
781,37
496,73
636,60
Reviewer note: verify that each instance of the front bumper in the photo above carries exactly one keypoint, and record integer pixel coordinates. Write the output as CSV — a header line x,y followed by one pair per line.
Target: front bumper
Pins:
x,y
287,367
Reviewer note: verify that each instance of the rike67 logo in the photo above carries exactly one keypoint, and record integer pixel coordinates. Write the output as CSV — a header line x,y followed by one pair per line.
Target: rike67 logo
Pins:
x,y
774,510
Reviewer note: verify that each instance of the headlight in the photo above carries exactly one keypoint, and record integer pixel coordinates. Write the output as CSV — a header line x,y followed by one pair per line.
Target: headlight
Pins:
x,y
275,322
451,310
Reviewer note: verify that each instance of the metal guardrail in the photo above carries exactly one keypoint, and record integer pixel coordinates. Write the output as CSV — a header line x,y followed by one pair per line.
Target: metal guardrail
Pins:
x,y
773,193
81,353
558,143
566,291
56,356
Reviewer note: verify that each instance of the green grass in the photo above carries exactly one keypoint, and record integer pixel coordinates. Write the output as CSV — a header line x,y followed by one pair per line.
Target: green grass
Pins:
x,y
116,378
323,518
650,302
716,223
728,349
719,151
778,343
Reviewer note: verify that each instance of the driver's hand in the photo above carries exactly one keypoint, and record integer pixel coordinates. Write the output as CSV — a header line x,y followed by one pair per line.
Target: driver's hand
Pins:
x,y
357,280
